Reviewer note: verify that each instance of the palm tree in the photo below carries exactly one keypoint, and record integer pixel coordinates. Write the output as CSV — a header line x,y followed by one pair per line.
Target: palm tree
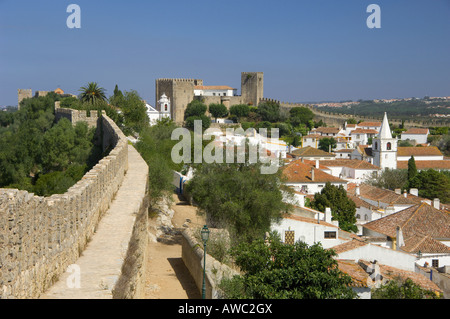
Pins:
x,y
92,93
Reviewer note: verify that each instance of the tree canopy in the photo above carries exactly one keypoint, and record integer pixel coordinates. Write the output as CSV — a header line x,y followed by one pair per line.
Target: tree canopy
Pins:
x,y
273,270
237,196
343,209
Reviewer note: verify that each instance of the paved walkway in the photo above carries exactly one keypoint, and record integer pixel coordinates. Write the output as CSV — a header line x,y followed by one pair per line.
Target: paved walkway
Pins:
x,y
101,261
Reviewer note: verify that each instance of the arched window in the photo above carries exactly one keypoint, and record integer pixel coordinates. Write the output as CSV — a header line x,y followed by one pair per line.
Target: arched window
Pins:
x,y
389,146
165,107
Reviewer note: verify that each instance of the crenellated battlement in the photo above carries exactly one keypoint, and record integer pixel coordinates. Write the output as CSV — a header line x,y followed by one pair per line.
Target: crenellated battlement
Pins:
x,y
75,116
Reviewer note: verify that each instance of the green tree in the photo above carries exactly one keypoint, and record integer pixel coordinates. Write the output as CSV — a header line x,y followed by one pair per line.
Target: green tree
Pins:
x,y
155,146
342,208
269,111
432,184
273,270
403,289
326,142
240,110
300,115
92,93
412,169
190,121
237,196
390,179
195,108
218,110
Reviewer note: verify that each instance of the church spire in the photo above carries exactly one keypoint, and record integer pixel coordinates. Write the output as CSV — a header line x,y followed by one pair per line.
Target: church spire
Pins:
x,y
385,130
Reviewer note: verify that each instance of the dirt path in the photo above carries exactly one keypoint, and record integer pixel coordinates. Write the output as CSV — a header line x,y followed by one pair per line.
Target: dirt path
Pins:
x,y
167,276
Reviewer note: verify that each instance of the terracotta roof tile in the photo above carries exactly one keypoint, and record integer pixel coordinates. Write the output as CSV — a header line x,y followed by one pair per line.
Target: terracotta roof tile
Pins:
x,y
384,195
416,131
298,172
327,130
419,151
391,273
369,124
310,151
422,220
439,164
364,131
352,163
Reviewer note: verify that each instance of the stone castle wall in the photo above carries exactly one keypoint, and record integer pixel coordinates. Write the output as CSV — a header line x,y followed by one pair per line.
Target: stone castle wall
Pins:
x,y
76,115
41,236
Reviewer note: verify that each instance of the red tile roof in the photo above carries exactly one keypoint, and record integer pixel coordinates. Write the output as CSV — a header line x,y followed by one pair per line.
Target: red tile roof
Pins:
x,y
369,124
309,151
422,220
419,151
439,164
384,195
352,163
298,172
416,131
364,131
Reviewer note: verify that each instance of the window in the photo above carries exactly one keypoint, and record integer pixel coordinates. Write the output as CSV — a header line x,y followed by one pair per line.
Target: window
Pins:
x,y
435,263
389,146
376,145
165,107
289,237
329,234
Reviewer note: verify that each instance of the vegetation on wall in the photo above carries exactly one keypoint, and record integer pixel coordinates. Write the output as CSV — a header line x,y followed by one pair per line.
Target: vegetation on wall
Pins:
x,y
41,156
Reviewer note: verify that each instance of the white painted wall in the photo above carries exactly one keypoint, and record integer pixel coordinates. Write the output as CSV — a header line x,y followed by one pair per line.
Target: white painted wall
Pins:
x,y
419,138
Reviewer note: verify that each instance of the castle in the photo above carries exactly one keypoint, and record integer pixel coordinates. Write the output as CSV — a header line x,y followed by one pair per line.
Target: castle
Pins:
x,y
182,91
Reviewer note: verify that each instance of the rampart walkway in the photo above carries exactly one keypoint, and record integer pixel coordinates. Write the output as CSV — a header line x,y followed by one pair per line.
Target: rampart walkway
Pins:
x,y
100,264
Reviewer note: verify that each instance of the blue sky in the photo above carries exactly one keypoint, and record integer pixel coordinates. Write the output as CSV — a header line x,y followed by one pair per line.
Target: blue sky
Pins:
x,y
308,50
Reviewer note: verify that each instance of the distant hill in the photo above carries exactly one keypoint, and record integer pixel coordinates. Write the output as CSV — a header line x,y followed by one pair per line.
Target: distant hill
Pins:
x,y
396,109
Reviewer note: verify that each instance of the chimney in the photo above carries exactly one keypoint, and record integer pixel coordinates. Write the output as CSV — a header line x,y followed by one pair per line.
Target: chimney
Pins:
x,y
317,164
436,203
328,215
405,194
400,240
414,191
312,174
357,190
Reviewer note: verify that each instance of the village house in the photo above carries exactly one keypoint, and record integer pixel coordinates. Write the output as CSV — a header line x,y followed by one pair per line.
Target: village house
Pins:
x,y
420,230
294,227
417,135
362,136
385,200
306,178
369,126
367,275
354,171
311,153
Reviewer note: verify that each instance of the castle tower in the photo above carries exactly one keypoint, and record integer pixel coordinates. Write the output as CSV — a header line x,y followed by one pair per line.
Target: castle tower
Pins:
x,y
163,107
180,92
23,94
384,147
252,87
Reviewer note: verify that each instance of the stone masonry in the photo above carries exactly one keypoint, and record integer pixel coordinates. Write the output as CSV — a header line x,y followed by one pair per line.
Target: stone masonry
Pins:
x,y
41,236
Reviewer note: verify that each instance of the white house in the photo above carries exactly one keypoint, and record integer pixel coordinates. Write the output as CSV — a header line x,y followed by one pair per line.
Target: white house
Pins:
x,y
419,135
214,90
354,171
369,126
361,136
161,111
293,228
307,178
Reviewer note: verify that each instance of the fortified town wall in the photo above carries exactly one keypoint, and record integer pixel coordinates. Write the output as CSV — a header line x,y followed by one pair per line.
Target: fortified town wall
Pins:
x,y
41,236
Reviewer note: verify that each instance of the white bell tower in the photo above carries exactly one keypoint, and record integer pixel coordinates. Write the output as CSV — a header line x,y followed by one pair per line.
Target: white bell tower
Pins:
x,y
164,106
384,147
